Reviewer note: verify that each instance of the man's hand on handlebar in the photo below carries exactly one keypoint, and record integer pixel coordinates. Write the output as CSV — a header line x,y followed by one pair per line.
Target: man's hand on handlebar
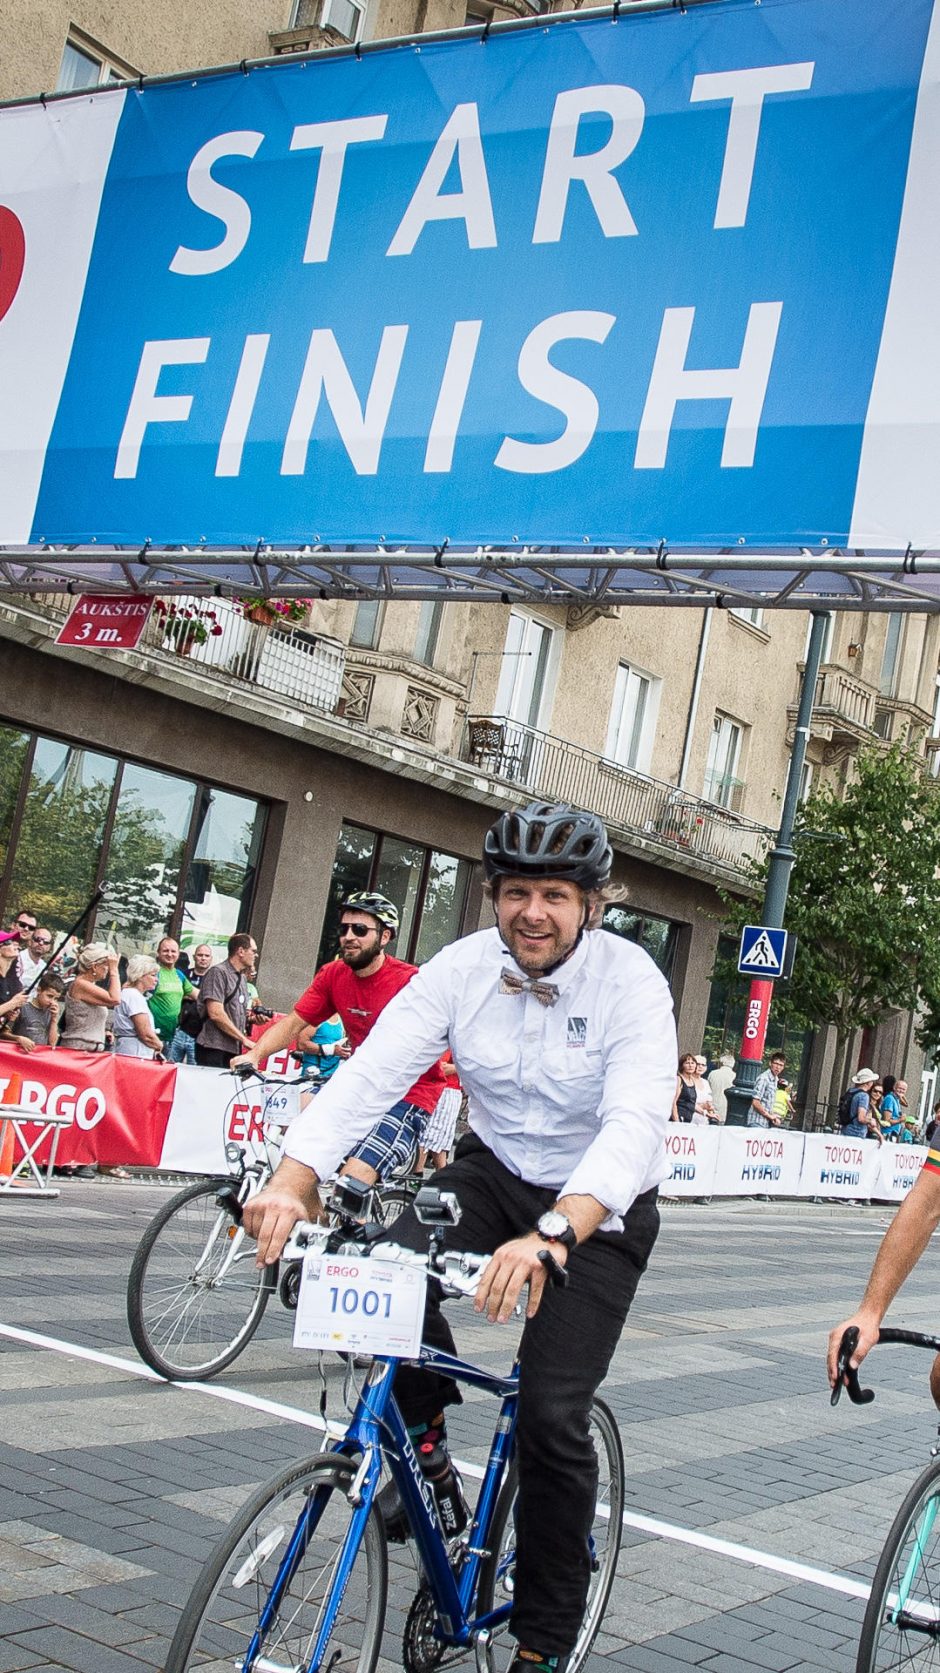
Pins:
x,y
271,1216
511,1268
244,1060
867,1324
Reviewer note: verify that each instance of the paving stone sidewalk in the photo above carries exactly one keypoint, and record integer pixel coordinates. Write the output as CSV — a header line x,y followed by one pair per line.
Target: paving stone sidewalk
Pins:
x,y
112,1488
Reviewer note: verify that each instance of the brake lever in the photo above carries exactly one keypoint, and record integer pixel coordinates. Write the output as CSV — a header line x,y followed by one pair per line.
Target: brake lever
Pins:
x,y
554,1271
227,1197
847,1375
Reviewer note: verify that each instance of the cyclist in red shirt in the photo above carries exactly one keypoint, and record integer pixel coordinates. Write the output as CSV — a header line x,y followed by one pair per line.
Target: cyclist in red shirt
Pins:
x,y
358,985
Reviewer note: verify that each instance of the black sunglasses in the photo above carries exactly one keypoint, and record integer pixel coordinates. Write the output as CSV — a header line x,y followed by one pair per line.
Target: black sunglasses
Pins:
x,y
23,923
359,930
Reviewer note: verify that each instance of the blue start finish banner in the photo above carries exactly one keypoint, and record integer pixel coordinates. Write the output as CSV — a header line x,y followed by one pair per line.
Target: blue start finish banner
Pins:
x,y
667,276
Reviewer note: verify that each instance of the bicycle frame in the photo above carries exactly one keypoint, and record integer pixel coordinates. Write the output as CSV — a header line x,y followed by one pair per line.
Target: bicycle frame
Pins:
x,y
376,1429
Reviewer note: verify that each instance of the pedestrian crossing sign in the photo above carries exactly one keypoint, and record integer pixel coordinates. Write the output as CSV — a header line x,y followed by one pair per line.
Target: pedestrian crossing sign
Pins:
x,y
763,951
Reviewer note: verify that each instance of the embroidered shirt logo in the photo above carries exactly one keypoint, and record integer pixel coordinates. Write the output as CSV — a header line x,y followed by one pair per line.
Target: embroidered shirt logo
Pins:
x,y
577,1031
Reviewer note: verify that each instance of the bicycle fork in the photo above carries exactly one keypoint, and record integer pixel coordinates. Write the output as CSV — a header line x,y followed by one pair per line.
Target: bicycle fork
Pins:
x,y
900,1616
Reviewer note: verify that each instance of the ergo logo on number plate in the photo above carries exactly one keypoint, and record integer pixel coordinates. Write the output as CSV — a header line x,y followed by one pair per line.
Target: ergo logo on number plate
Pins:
x,y
85,1108
12,257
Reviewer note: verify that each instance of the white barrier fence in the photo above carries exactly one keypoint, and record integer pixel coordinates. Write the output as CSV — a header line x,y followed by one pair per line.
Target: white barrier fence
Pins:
x,y
756,1161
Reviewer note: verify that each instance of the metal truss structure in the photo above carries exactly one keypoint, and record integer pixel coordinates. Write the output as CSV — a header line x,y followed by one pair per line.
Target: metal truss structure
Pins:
x,y
591,578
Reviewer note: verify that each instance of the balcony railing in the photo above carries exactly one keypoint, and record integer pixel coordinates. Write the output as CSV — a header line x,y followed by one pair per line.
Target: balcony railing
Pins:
x,y
283,659
844,698
627,801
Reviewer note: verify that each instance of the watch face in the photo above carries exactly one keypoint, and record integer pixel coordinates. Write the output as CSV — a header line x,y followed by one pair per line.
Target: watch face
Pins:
x,y
553,1225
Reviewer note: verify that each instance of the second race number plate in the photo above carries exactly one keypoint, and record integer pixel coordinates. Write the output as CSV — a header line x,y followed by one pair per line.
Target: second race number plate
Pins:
x,y
360,1306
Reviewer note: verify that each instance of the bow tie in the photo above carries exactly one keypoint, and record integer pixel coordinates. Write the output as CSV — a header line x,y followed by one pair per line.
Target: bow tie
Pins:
x,y
545,992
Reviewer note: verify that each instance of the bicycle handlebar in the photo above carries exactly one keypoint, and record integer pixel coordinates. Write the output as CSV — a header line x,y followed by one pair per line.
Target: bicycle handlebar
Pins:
x,y
458,1274
847,1376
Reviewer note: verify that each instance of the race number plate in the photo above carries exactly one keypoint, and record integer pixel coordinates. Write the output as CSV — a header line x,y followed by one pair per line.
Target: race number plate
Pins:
x,y
360,1306
282,1103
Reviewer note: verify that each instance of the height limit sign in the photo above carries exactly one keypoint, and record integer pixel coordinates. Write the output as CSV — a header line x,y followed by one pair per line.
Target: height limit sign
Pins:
x,y
763,952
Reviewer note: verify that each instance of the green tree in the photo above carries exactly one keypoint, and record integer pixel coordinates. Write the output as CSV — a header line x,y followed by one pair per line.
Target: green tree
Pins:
x,y
864,902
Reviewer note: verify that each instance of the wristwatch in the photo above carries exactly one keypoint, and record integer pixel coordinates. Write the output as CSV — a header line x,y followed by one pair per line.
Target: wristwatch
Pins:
x,y
557,1228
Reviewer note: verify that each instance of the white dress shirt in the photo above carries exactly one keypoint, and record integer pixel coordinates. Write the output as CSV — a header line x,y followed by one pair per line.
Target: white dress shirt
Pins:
x,y
576,1096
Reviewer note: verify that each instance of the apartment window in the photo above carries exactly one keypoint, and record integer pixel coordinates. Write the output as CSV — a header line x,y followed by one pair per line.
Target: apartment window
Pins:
x,y
806,780
428,886
525,676
346,16
721,768
748,613
86,65
890,658
429,629
367,624
632,724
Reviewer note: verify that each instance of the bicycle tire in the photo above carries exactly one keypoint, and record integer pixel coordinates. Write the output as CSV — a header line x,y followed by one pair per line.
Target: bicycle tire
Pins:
x,y
389,1201
182,1325
886,1644
219,1621
497,1569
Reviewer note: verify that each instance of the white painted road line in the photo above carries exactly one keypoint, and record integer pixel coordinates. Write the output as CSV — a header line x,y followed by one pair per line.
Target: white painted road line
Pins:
x,y
308,1420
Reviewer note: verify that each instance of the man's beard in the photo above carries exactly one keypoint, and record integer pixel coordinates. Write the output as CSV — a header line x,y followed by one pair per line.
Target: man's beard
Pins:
x,y
554,952
357,958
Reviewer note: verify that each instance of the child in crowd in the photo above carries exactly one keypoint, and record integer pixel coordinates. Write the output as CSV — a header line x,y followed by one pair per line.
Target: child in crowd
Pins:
x,y
783,1102
38,1020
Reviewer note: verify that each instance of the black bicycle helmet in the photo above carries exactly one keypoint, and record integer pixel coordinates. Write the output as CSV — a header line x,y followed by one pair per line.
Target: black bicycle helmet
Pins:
x,y
549,839
378,906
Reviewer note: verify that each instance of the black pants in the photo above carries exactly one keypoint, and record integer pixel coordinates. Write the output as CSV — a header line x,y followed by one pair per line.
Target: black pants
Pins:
x,y
209,1057
564,1356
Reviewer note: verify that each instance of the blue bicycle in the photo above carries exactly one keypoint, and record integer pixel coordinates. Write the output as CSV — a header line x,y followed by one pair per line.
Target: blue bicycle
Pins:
x,y
299,1582
901,1628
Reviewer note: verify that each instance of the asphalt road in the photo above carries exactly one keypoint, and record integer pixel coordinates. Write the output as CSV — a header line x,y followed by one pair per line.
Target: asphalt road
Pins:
x,y
112,1488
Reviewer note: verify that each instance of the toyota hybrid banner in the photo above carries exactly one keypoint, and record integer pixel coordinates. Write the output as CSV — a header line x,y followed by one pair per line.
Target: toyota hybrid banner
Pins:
x,y
667,275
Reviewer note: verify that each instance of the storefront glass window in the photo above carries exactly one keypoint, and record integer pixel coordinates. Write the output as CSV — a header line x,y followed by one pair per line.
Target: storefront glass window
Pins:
x,y
352,869
428,887
220,879
657,936
58,845
87,817
151,822
398,875
13,747
444,896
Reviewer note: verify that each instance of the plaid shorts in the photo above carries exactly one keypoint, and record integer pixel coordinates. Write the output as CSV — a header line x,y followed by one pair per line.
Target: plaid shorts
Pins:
x,y
392,1145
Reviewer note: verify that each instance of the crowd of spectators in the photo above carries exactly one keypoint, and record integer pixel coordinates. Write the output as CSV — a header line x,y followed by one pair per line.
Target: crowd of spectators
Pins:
x,y
169,1007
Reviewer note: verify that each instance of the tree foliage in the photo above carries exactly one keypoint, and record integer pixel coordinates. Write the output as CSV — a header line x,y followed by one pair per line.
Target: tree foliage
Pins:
x,y
864,900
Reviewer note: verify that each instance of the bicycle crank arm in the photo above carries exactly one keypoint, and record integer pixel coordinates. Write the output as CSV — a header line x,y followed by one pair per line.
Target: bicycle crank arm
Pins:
x,y
264,1664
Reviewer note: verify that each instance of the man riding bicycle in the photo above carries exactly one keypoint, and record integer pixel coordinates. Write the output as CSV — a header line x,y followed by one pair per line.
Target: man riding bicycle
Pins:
x,y
358,985
565,1044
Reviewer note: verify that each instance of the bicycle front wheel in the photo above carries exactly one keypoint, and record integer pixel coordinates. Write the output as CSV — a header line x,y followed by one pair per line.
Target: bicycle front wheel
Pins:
x,y
498,1571
289,1539
194,1295
901,1628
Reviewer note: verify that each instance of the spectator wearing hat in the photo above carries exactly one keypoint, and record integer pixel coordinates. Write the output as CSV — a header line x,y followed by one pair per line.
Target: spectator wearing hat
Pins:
x,y
862,1122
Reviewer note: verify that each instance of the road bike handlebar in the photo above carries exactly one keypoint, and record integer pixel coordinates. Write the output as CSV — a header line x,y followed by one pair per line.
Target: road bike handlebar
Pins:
x,y
847,1376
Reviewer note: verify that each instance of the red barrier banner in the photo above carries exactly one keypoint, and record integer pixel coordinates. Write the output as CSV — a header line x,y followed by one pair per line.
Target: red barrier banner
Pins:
x,y
119,1106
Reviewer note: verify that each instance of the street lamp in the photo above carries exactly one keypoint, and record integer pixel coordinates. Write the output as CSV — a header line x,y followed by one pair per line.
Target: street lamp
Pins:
x,y
782,856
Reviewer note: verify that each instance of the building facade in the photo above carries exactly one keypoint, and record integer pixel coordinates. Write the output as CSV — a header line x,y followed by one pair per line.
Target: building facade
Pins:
x,y
246,774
